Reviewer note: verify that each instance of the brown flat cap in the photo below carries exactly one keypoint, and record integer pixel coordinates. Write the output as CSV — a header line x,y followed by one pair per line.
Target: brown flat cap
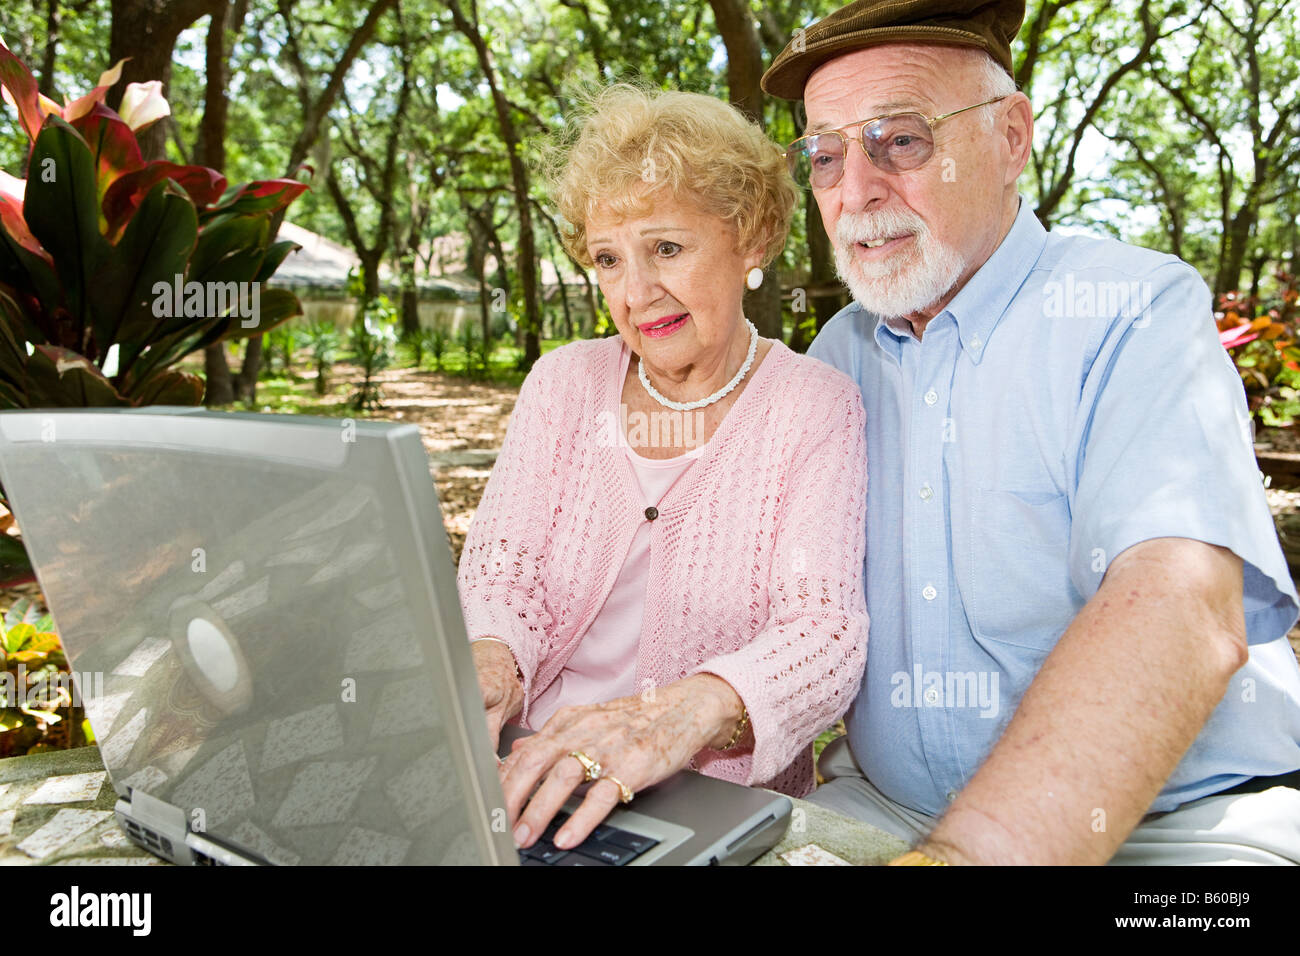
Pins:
x,y
989,25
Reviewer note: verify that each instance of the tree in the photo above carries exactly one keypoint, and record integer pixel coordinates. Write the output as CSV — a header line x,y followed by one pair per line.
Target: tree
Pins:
x,y
823,293
1082,51
145,31
526,249
1241,81
744,70
315,106
210,151
378,178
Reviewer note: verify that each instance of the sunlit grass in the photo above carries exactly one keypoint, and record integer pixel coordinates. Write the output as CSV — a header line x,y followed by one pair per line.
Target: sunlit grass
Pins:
x,y
503,367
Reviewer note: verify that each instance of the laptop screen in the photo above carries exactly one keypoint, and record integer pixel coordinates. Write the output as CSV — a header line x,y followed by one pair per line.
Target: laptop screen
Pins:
x,y
259,611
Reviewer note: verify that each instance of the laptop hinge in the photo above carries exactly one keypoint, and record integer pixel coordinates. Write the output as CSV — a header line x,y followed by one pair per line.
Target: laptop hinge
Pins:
x,y
162,828
157,814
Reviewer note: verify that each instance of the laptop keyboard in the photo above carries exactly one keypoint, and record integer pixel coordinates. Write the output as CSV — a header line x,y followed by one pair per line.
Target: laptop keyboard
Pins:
x,y
607,846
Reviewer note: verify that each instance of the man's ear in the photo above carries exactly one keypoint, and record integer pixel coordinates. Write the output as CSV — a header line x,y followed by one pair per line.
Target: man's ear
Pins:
x,y
1018,127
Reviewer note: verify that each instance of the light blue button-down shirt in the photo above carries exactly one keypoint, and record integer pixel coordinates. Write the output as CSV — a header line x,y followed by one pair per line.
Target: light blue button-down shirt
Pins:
x,y
1073,400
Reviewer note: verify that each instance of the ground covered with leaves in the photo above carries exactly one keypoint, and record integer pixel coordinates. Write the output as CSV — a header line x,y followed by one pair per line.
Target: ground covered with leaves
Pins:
x,y
454,415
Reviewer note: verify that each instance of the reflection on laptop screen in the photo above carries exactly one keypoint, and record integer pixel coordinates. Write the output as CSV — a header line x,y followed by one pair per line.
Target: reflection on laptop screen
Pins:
x,y
262,666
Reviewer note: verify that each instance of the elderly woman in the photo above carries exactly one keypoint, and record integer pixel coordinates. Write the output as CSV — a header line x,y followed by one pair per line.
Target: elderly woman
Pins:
x,y
665,569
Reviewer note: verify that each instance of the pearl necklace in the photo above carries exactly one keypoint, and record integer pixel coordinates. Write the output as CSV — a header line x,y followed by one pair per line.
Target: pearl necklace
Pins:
x,y
716,396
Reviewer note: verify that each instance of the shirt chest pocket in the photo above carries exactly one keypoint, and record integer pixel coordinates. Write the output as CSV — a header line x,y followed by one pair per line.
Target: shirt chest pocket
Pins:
x,y
1016,583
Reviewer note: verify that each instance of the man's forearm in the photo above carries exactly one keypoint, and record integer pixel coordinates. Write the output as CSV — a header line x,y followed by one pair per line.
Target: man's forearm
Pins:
x,y
1113,709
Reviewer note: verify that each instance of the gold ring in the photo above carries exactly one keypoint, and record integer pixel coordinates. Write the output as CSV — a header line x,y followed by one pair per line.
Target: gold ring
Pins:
x,y
624,791
591,768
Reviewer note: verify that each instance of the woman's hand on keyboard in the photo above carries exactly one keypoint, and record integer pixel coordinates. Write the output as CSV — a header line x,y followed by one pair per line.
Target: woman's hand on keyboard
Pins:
x,y
638,740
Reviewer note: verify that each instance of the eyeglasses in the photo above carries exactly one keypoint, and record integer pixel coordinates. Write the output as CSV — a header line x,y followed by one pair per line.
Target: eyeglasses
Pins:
x,y
895,144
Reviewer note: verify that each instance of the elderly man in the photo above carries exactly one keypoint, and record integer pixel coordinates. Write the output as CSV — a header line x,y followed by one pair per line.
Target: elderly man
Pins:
x,y
1078,603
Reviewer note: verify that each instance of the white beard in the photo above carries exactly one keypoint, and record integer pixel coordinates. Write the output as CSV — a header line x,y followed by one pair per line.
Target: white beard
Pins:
x,y
908,281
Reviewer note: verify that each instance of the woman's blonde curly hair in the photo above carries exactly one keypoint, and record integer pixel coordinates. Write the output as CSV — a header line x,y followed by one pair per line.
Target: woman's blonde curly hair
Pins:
x,y
629,142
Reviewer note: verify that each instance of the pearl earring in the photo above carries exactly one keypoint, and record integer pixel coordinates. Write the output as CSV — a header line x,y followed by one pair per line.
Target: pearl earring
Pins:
x,y
754,278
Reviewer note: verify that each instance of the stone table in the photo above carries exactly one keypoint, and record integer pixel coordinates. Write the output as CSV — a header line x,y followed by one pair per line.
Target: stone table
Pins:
x,y
57,808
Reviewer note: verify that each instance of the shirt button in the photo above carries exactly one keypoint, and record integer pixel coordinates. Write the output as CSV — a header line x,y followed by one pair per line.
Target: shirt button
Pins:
x,y
931,397
926,492
929,593
651,513
932,695
952,795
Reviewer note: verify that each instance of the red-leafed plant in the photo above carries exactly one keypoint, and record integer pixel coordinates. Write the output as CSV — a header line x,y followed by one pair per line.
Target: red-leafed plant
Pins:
x,y
1261,334
95,234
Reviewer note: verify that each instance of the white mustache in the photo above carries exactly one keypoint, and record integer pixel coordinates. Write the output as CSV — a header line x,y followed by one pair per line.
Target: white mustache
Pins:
x,y
854,227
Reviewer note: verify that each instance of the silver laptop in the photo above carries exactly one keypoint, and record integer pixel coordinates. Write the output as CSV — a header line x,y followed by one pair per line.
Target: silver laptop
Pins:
x,y
261,616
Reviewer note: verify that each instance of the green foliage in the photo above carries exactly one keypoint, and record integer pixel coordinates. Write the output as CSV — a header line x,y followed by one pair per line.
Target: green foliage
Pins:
x,y
415,344
483,352
432,342
437,343
80,45
469,344
1282,409
280,344
1262,334
1166,146
355,286
34,694
324,341
373,342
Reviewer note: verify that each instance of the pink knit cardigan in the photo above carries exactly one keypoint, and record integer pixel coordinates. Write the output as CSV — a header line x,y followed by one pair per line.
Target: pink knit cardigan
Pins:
x,y
756,554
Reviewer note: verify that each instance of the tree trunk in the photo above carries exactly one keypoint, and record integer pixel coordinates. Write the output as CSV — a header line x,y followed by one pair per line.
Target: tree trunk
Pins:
x,y
370,261
48,59
408,261
410,310
744,70
410,313
503,279
519,179
564,301
246,383
744,56
564,292
1257,273
220,388
314,113
1243,223
210,151
479,220
823,277
484,318
146,32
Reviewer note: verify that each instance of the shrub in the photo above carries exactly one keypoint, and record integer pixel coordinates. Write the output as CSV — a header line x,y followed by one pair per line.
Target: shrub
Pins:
x,y
113,269
373,340
1260,333
35,702
324,341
